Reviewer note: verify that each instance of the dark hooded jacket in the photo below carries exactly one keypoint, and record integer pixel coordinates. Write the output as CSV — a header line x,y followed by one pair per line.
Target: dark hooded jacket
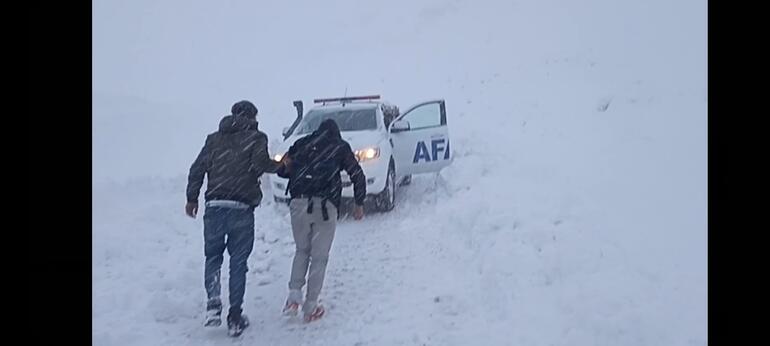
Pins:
x,y
328,136
234,158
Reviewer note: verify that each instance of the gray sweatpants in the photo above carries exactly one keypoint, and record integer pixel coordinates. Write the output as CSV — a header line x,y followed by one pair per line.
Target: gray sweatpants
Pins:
x,y
313,237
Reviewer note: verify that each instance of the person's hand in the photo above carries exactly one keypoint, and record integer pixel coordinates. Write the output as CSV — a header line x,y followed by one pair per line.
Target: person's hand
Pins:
x,y
286,161
191,209
358,212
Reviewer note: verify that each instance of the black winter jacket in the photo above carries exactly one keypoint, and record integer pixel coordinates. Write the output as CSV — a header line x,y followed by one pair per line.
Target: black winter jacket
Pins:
x,y
328,135
234,158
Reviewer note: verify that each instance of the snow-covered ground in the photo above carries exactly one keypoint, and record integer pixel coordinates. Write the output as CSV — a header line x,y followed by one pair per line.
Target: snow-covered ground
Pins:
x,y
574,212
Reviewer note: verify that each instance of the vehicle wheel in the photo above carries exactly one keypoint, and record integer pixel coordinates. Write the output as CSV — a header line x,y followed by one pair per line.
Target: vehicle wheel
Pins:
x,y
386,200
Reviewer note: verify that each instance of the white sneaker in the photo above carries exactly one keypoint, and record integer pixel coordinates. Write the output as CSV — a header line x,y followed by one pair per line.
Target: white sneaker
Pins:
x,y
314,314
292,303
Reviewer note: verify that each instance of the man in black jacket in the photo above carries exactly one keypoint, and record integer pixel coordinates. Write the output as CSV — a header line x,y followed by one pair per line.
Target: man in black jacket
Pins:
x,y
234,158
313,166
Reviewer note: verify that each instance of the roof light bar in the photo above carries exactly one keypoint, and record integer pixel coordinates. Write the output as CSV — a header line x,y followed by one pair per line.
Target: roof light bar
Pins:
x,y
347,99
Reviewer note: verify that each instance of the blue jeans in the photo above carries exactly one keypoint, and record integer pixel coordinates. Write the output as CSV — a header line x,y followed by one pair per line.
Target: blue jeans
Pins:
x,y
232,229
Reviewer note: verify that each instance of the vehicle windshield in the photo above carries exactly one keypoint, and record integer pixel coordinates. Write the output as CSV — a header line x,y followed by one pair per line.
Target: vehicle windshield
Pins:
x,y
347,119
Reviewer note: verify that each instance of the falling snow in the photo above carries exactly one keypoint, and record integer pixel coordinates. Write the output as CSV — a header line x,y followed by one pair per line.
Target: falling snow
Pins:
x,y
566,218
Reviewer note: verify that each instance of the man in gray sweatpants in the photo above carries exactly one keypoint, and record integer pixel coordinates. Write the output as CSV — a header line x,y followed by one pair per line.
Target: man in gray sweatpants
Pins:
x,y
313,237
313,167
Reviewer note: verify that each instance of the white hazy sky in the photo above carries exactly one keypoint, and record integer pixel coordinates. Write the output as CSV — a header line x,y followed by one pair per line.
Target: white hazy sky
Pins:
x,y
164,72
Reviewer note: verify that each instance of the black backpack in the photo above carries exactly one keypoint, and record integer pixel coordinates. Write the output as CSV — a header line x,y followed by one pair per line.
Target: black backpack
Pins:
x,y
313,168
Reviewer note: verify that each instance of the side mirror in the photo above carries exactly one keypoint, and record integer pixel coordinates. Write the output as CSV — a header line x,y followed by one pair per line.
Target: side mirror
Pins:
x,y
400,126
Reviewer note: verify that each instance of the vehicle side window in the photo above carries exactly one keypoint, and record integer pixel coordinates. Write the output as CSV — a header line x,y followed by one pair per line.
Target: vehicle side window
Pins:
x,y
428,115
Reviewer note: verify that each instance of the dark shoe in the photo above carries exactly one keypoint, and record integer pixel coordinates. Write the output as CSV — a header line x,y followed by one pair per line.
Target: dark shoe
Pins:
x,y
213,313
236,323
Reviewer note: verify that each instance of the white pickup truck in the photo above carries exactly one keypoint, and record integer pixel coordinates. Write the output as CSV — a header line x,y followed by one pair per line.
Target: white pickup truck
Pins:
x,y
390,147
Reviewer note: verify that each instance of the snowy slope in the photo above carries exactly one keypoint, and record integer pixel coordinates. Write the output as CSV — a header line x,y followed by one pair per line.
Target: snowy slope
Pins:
x,y
574,213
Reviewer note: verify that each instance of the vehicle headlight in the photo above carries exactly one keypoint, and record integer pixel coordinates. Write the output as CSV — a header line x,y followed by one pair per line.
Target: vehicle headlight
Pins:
x,y
367,154
278,157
